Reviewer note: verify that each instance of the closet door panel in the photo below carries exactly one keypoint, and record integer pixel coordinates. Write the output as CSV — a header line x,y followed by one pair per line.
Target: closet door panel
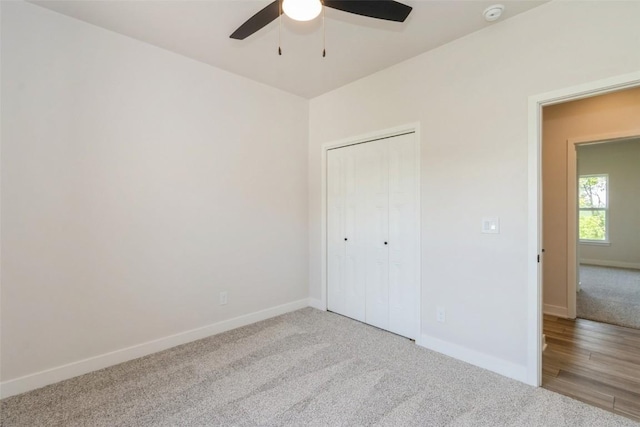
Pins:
x,y
403,237
355,244
336,247
376,225
345,249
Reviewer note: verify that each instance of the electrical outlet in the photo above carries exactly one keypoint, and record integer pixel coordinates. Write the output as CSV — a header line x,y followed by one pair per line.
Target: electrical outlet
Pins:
x,y
223,298
440,314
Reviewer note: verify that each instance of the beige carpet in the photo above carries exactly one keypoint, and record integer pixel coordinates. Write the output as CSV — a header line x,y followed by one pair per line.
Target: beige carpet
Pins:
x,y
304,368
609,295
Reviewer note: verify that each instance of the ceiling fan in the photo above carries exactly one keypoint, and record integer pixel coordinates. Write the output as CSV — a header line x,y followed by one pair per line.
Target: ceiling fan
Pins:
x,y
306,10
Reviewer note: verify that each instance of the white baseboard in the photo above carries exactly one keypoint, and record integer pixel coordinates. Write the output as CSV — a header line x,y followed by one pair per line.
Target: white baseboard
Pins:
x,y
607,263
70,370
556,310
316,303
482,360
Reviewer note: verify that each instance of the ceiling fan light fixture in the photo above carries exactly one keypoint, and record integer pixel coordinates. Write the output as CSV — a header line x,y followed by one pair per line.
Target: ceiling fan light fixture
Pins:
x,y
302,10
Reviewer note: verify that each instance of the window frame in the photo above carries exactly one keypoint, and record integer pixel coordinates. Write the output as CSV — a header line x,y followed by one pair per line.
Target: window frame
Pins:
x,y
605,241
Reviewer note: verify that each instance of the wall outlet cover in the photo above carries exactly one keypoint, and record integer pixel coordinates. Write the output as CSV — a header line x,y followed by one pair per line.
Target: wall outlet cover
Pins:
x,y
223,298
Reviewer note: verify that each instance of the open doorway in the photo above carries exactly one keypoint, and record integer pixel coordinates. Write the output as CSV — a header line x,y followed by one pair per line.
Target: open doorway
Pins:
x,y
589,360
607,223
584,124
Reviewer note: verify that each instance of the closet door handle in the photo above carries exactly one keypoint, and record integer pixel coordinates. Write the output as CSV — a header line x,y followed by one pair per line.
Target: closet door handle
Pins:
x,y
385,243
345,239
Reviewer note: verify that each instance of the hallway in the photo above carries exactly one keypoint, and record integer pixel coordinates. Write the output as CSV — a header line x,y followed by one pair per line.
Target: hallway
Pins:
x,y
593,362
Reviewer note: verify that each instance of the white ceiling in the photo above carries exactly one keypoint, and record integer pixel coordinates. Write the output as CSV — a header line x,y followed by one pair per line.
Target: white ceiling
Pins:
x,y
356,46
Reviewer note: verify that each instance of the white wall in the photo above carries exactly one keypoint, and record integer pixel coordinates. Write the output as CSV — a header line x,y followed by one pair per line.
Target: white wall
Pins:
x,y
470,97
621,161
136,185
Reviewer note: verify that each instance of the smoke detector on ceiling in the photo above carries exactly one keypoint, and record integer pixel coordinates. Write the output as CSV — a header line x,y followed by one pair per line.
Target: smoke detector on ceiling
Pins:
x,y
494,12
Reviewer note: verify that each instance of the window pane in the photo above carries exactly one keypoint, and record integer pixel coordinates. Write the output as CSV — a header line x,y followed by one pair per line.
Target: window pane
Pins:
x,y
592,192
593,224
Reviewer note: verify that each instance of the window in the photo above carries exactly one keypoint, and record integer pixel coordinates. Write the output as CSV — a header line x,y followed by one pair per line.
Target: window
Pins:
x,y
593,206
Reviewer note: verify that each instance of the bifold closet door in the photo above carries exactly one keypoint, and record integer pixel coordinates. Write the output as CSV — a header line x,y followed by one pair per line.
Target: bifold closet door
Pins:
x,y
346,281
373,235
391,188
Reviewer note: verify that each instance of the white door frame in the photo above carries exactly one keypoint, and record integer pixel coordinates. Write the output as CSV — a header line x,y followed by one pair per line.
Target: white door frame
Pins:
x,y
534,240
381,134
572,208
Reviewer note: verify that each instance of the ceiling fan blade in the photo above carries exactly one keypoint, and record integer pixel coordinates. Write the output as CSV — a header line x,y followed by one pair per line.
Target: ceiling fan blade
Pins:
x,y
257,21
381,9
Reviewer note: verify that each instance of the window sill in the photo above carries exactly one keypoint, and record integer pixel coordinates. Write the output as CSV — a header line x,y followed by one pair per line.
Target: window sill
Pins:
x,y
595,242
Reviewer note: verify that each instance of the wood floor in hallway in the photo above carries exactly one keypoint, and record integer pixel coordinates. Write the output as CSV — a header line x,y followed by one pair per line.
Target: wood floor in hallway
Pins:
x,y
596,363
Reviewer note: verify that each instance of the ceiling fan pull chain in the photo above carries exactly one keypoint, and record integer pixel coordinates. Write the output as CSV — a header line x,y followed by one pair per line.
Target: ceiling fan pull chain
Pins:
x,y
280,28
324,34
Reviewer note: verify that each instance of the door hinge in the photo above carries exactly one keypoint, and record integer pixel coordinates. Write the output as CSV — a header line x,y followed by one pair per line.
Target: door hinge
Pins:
x,y
538,257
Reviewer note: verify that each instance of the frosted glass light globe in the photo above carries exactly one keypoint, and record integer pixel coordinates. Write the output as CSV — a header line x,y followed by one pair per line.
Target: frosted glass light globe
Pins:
x,y
302,10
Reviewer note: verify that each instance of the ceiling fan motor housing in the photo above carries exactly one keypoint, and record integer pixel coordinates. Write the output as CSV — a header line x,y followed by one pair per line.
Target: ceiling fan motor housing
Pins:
x,y
388,10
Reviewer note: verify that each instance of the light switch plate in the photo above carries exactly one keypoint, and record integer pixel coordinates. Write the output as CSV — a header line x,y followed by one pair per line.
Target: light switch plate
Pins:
x,y
491,225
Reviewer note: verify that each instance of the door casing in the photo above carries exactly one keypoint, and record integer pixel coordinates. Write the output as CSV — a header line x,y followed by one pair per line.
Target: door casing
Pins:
x,y
572,209
534,201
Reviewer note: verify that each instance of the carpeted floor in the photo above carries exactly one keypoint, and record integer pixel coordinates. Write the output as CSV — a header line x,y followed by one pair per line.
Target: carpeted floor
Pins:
x,y
304,368
609,295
